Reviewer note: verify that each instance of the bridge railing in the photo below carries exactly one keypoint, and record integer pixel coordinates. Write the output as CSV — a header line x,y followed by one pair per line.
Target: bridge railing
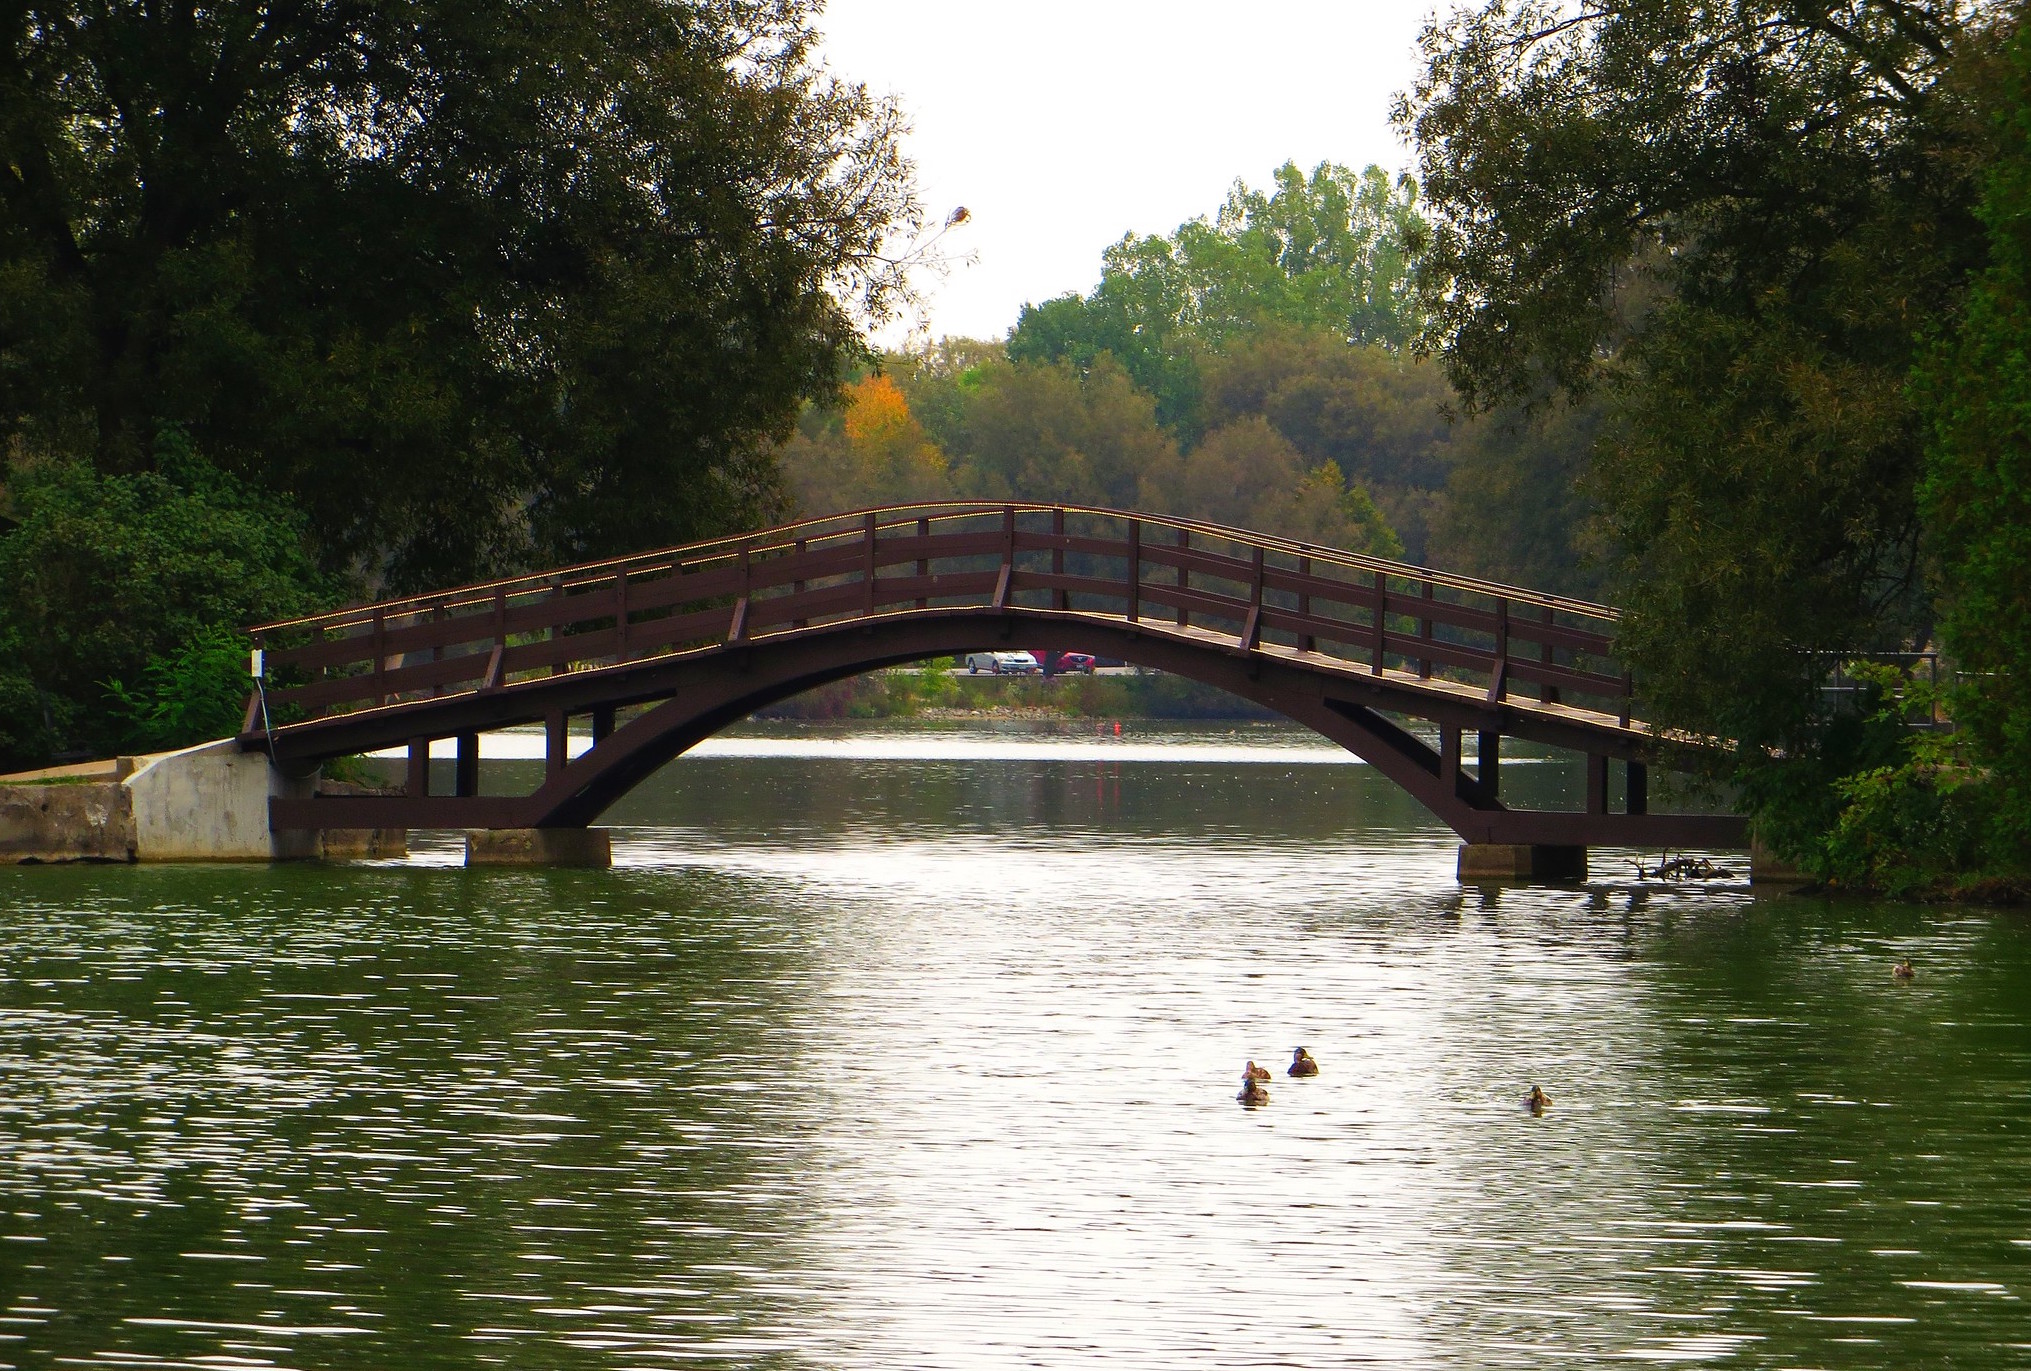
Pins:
x,y
1254,592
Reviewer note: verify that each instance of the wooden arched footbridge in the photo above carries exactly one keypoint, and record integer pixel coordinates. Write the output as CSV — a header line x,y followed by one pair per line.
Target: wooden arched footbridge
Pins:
x,y
661,650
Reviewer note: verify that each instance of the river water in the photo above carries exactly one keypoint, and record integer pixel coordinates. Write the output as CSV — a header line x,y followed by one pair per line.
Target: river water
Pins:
x,y
889,1048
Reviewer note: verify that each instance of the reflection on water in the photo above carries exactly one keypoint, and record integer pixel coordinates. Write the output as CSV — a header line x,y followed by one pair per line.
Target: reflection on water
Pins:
x,y
869,1059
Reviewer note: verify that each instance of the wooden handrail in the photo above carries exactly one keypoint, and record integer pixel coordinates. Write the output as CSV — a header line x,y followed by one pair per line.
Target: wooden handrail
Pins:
x,y
783,537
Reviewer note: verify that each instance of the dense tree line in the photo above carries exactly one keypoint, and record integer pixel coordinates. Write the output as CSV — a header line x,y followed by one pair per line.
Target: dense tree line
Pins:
x,y
1254,367
417,289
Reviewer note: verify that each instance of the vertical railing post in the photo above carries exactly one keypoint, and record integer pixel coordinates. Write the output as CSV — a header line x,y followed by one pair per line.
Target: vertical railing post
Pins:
x,y
620,614
1184,578
1060,597
1134,570
1004,587
869,529
1546,691
737,625
436,647
1251,631
1628,692
497,664
1381,645
559,666
253,711
1425,632
923,563
380,646
1307,640
1498,682
798,549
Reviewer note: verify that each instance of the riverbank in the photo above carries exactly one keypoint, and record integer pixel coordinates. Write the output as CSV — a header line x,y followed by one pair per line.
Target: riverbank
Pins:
x,y
936,693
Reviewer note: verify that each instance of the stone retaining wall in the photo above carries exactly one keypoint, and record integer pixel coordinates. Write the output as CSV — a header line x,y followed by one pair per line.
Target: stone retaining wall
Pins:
x,y
88,821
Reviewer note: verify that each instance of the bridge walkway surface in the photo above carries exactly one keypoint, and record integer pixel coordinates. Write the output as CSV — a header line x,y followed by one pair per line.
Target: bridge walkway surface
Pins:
x,y
661,650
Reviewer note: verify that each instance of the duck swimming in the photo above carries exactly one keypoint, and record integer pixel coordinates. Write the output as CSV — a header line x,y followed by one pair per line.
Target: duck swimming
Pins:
x,y
1536,1100
1902,971
1255,1073
1252,1092
1302,1063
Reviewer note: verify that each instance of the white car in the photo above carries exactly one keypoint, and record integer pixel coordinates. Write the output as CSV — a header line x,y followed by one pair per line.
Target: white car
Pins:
x,y
1002,663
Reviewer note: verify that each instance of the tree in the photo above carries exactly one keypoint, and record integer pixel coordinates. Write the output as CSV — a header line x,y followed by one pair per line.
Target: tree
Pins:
x,y
474,286
1975,386
1733,220
1324,252
1247,473
1378,416
1516,505
104,575
1044,432
871,451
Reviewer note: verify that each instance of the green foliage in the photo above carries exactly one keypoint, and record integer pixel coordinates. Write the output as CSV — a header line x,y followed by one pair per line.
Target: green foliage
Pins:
x,y
1222,373
1579,166
1516,506
472,287
1376,415
1758,489
1324,252
1976,497
1045,432
1247,473
1906,811
193,693
104,575
26,734
1795,806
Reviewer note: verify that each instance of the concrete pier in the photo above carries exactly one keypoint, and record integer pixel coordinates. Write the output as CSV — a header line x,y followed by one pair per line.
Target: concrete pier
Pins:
x,y
370,844
1482,863
1766,868
538,847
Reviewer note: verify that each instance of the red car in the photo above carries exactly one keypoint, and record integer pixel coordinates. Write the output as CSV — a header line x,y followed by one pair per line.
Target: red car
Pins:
x,y
1062,663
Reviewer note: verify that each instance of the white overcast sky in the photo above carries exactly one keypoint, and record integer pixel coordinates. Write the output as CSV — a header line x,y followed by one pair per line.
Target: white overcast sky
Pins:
x,y
1062,124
